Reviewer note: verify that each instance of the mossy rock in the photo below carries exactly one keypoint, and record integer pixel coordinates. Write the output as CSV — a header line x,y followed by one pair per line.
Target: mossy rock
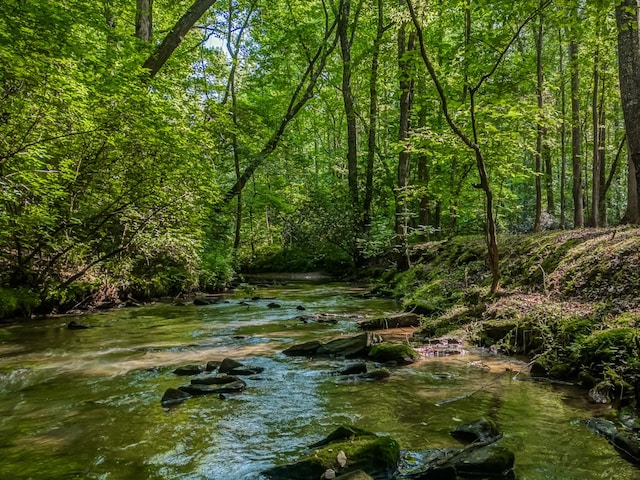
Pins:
x,y
378,456
561,371
606,346
401,353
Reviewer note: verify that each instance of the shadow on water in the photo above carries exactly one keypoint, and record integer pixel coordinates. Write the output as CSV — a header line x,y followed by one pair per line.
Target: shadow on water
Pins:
x,y
85,404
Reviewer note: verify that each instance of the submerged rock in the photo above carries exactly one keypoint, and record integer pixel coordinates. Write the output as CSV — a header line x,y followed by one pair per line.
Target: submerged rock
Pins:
x,y
200,301
73,325
173,397
346,450
481,430
355,369
493,461
378,374
273,305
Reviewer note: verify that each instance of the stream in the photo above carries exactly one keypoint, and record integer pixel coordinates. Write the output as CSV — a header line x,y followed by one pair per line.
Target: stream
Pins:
x,y
85,404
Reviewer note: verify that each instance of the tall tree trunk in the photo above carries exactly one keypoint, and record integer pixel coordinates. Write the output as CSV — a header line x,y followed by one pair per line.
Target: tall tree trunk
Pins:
x,y
602,142
373,119
144,19
629,74
424,219
347,98
576,137
540,129
406,97
563,135
594,219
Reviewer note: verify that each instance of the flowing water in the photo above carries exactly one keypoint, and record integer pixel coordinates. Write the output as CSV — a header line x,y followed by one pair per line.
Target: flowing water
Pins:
x,y
86,403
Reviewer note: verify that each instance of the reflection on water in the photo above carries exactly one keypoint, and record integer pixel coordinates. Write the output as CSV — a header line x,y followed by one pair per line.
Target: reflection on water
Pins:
x,y
85,404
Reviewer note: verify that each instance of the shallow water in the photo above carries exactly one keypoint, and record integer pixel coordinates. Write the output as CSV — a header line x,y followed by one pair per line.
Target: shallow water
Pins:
x,y
86,403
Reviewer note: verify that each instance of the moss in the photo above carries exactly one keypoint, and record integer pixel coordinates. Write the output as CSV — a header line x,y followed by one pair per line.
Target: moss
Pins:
x,y
365,451
607,346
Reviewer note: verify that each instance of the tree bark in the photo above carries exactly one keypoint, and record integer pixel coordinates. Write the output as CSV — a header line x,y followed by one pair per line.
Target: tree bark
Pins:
x,y
540,127
175,37
629,74
373,119
144,20
576,137
594,219
563,135
347,98
406,98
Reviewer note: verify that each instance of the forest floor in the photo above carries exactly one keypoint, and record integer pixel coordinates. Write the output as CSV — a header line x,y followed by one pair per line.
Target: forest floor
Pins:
x,y
570,300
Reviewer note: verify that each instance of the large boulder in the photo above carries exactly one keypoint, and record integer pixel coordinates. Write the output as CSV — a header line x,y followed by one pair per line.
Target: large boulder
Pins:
x,y
344,451
400,353
395,320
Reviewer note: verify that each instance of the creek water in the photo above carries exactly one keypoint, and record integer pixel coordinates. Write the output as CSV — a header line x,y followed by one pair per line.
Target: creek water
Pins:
x,y
86,403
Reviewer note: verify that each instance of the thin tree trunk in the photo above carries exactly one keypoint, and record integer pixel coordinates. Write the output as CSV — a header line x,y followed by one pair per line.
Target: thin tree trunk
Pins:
x,y
563,135
576,137
594,219
602,141
144,19
373,118
540,135
423,180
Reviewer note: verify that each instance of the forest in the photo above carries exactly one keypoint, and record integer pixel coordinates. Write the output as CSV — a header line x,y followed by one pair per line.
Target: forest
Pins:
x,y
462,175
153,148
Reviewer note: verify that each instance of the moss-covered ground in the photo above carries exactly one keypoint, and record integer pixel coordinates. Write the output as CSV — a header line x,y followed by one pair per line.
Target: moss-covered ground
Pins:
x,y
568,299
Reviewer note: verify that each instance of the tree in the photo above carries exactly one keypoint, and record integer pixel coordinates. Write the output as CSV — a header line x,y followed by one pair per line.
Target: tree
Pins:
x,y
629,73
472,142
